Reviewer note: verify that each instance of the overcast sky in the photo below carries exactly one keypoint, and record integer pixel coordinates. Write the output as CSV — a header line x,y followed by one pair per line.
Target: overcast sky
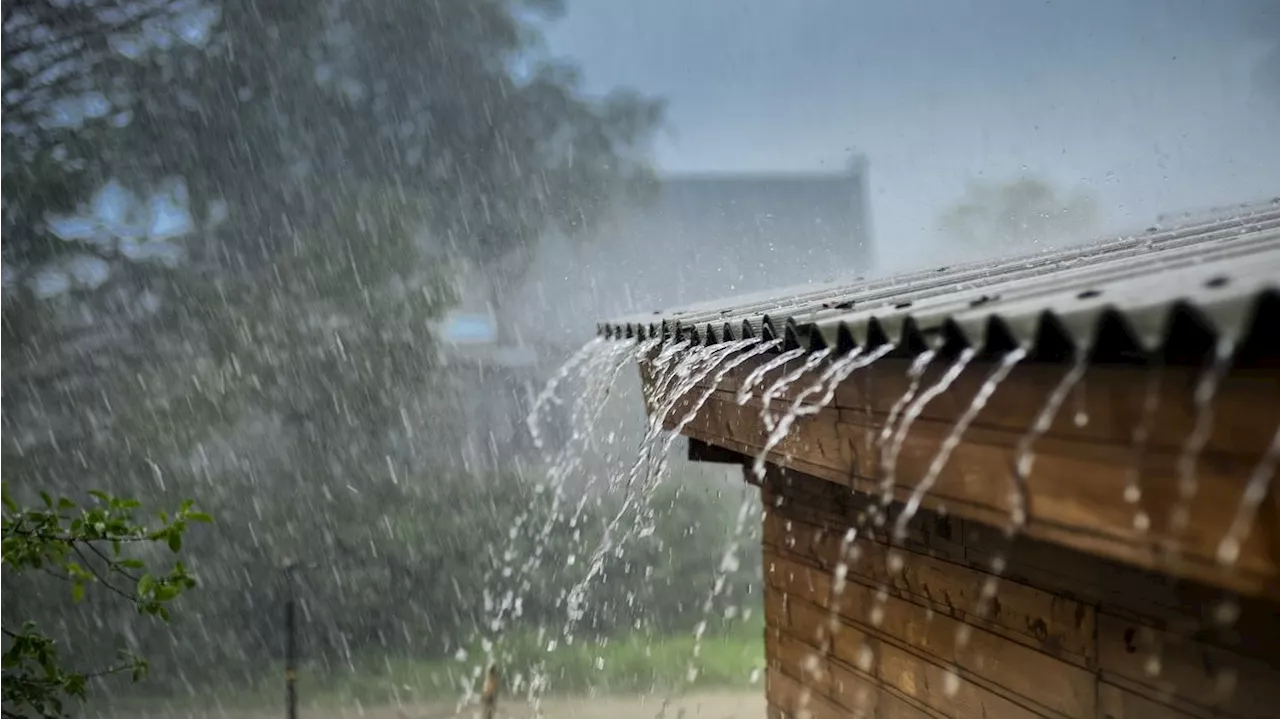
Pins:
x,y
1151,105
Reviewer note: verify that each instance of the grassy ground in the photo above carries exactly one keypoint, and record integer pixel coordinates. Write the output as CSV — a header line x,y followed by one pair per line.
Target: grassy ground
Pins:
x,y
635,666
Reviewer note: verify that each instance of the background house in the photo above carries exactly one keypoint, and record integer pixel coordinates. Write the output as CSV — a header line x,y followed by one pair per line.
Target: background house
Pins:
x,y
699,237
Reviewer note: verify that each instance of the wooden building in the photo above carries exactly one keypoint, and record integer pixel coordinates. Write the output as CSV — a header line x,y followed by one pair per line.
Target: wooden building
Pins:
x,y
1130,388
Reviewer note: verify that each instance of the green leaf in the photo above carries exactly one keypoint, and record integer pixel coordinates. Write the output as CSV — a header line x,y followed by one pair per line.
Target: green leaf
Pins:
x,y
64,503
199,517
131,563
77,592
145,584
175,541
100,495
48,501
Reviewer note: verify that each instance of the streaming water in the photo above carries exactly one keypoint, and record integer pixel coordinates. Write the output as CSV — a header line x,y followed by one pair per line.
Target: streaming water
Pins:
x,y
1023,463
723,372
783,383
1256,489
1024,457
1138,451
686,375
548,393
835,373
757,375
912,412
590,373
710,358
675,380
952,440
915,374
1188,459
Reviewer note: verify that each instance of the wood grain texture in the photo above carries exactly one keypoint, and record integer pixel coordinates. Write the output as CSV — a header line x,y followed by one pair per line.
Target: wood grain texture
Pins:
x,y
888,641
1076,489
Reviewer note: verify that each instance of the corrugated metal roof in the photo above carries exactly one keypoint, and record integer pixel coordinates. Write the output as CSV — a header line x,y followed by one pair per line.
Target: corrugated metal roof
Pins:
x,y
1169,290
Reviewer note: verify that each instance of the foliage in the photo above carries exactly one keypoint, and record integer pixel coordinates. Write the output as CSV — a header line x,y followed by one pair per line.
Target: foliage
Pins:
x,y
339,160
101,544
1027,209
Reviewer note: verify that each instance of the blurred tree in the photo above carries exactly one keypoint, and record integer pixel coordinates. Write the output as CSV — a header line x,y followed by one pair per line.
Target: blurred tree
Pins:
x,y
1005,215
334,159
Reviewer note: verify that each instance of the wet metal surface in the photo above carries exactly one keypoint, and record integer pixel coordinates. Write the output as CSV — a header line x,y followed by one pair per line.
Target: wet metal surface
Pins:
x,y
1210,280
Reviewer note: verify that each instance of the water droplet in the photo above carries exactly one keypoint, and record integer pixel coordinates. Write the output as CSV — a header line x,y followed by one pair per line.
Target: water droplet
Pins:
x,y
813,665
1142,521
599,664
866,657
1228,551
1133,494
754,676
877,615
1226,613
950,684
551,645
1152,666
1081,419
895,562
989,587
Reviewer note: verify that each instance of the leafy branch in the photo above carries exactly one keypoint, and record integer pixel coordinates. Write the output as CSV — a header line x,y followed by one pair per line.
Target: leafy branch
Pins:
x,y
85,546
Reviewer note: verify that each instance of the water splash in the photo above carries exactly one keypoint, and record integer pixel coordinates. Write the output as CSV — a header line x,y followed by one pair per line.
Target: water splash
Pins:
x,y
1024,457
719,377
591,371
783,383
836,373
757,375
915,375
952,440
701,366
676,379
1255,491
913,412
1205,392
548,393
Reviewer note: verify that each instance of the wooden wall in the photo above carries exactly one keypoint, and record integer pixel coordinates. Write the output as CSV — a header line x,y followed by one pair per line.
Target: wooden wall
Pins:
x,y
1065,634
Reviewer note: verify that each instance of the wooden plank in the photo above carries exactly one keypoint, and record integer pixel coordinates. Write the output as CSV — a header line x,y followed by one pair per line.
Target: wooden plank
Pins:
x,y
1073,491
1190,671
910,677
802,662
863,695
1117,703
944,690
1018,669
797,701
1185,608
1055,625
1111,396
906,673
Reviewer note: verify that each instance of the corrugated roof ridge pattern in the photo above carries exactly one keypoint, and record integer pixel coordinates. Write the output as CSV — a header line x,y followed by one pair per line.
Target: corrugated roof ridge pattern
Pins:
x,y
1220,267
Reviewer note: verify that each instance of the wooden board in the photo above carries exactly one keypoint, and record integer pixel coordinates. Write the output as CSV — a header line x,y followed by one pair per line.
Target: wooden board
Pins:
x,y
887,646
1076,489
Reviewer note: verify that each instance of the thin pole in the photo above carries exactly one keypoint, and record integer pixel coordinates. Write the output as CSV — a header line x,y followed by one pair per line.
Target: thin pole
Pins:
x,y
290,649
489,694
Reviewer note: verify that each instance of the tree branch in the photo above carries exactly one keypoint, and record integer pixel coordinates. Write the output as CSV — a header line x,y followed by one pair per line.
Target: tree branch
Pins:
x,y
89,568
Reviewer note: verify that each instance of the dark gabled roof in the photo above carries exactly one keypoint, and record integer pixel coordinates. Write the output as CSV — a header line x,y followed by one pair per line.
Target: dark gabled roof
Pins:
x,y
1176,292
